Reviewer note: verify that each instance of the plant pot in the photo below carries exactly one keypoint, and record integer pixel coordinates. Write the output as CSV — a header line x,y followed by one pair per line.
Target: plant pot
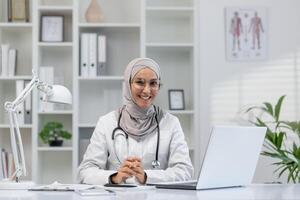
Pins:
x,y
55,143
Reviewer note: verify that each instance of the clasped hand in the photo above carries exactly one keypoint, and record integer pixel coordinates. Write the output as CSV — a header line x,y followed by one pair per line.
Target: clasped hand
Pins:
x,y
131,167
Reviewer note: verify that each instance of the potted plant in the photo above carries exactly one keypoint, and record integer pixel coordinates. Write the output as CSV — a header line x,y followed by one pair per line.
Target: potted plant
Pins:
x,y
277,139
53,134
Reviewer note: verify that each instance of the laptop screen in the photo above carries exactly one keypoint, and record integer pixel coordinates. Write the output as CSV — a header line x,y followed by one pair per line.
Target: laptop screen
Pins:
x,y
231,156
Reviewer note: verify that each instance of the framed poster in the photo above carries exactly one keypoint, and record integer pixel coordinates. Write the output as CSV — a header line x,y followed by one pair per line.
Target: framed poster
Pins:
x,y
176,99
52,28
246,33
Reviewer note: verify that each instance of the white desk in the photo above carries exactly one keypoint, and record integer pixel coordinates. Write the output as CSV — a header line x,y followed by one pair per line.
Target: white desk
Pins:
x,y
252,192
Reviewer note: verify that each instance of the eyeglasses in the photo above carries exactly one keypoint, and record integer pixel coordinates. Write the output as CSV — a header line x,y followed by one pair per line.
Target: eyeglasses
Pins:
x,y
141,84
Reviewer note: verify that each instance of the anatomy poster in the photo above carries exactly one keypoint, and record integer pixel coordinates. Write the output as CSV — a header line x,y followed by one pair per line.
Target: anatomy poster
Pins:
x,y
246,33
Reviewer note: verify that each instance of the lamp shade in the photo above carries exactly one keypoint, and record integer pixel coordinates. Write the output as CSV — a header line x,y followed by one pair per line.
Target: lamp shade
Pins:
x,y
59,94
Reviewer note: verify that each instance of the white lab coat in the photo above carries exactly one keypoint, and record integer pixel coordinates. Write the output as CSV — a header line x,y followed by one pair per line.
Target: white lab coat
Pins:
x,y
100,160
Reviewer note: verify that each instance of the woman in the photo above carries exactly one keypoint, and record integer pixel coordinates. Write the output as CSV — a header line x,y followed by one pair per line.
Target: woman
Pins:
x,y
139,142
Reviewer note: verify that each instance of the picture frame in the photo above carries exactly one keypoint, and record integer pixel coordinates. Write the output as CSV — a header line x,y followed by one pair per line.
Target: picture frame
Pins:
x,y
52,28
246,33
176,99
18,10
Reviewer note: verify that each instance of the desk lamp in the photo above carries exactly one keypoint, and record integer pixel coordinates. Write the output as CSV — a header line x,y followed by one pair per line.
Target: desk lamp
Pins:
x,y
53,94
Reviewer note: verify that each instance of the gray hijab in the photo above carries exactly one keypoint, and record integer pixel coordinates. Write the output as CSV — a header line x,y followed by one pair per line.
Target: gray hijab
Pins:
x,y
135,121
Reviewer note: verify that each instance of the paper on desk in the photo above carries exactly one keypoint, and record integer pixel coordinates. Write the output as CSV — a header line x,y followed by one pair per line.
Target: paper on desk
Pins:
x,y
137,188
56,186
95,192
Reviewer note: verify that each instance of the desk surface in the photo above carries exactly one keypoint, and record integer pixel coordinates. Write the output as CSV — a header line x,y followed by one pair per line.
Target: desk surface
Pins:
x,y
274,191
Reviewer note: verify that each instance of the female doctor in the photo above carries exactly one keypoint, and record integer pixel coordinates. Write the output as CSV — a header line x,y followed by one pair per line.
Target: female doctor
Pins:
x,y
139,142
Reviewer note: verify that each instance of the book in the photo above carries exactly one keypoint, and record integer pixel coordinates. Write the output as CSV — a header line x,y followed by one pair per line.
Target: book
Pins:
x,y
9,10
4,57
4,163
12,60
1,165
27,10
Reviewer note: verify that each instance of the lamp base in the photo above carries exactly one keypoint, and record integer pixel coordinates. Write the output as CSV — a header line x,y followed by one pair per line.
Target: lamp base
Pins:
x,y
11,185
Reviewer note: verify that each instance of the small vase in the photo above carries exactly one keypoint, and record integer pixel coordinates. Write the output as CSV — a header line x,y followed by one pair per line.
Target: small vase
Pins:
x,y
93,12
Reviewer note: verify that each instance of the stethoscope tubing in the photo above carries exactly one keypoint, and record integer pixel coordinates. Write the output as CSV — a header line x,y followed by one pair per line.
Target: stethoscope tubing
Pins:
x,y
155,163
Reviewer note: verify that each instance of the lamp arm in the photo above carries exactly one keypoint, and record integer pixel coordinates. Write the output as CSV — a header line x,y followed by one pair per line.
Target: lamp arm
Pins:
x,y
22,96
18,153
11,108
16,139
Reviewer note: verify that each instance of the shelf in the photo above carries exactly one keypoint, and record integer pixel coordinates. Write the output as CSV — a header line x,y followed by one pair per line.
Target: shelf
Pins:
x,y
101,78
181,112
169,8
13,78
87,125
55,44
162,44
55,149
109,25
60,9
21,126
169,3
57,112
15,25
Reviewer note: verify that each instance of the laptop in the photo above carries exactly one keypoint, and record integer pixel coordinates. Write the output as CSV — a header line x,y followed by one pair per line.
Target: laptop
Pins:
x,y
229,161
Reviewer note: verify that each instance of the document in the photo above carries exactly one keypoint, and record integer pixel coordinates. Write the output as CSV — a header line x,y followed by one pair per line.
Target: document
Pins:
x,y
56,186
95,192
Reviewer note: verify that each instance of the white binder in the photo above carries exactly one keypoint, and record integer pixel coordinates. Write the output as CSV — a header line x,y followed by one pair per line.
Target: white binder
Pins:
x,y
20,109
28,111
4,52
84,55
92,55
12,60
101,54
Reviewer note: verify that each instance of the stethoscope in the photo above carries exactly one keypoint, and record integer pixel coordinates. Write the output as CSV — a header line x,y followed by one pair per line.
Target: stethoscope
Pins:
x,y
118,131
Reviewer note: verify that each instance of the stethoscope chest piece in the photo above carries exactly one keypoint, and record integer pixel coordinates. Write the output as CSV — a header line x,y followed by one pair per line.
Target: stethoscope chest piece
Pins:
x,y
155,164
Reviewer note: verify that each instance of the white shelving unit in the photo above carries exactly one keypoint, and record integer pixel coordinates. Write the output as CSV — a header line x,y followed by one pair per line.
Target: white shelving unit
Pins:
x,y
162,30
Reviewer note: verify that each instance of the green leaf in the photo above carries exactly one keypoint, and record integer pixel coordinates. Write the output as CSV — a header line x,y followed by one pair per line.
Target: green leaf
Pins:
x,y
53,130
278,107
269,108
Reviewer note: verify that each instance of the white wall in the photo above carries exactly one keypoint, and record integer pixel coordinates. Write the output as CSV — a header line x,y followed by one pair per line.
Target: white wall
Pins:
x,y
225,87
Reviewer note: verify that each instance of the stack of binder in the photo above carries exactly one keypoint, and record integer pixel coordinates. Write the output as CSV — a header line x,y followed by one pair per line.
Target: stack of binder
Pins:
x,y
92,55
